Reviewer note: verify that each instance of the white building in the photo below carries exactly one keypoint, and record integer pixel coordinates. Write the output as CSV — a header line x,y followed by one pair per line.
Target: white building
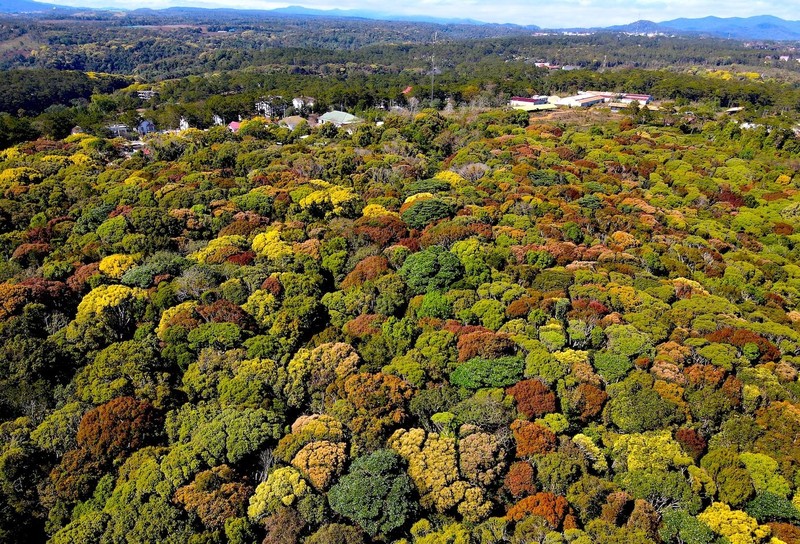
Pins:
x,y
338,118
581,100
585,99
302,102
264,108
532,101
642,99
118,129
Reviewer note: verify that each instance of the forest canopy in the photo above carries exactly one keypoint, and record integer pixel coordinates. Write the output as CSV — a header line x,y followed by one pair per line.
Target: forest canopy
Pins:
x,y
461,325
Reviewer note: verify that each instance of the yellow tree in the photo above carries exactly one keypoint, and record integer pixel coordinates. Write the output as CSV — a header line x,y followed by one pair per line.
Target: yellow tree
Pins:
x,y
433,467
735,525
320,462
284,487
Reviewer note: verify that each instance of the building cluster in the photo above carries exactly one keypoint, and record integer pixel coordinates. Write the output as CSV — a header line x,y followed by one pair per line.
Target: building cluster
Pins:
x,y
782,58
270,107
584,99
276,106
549,66
121,130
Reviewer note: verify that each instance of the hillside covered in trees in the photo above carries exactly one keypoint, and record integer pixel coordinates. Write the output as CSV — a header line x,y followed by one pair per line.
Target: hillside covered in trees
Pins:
x,y
65,69
449,328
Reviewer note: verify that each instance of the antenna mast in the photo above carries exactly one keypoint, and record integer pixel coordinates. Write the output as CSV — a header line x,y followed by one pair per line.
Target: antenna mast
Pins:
x,y
433,65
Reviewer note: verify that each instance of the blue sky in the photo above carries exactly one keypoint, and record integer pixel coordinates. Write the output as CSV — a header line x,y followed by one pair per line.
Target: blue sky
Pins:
x,y
548,13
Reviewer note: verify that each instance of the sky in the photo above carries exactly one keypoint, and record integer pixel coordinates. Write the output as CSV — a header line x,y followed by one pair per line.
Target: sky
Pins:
x,y
544,13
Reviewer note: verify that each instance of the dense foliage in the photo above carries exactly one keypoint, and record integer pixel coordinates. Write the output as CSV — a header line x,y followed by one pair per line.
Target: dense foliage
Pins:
x,y
464,327
211,63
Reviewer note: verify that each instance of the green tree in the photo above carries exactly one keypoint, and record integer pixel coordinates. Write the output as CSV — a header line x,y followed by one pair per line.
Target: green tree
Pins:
x,y
434,268
679,526
636,407
375,493
479,372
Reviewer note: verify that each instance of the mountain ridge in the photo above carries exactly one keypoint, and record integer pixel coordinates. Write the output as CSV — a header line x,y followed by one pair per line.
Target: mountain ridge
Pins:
x,y
758,27
27,6
369,14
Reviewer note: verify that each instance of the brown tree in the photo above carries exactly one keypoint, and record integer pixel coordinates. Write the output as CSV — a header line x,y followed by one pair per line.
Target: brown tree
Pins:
x,y
371,405
115,429
519,479
481,458
486,344
366,270
587,400
283,527
552,508
532,438
214,496
534,398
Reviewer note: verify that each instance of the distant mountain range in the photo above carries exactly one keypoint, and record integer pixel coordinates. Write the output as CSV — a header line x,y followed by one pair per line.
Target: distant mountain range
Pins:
x,y
30,6
368,14
26,6
761,27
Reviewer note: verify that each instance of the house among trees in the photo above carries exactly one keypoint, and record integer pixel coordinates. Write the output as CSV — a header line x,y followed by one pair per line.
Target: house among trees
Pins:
x,y
339,118
271,106
642,99
293,121
118,130
303,102
234,126
533,100
581,100
145,127
146,95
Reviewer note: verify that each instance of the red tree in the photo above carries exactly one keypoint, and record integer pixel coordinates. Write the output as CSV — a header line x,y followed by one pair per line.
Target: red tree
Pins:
x,y
519,480
383,230
225,311
532,438
106,434
691,442
118,427
484,344
740,337
533,397
553,508
368,269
